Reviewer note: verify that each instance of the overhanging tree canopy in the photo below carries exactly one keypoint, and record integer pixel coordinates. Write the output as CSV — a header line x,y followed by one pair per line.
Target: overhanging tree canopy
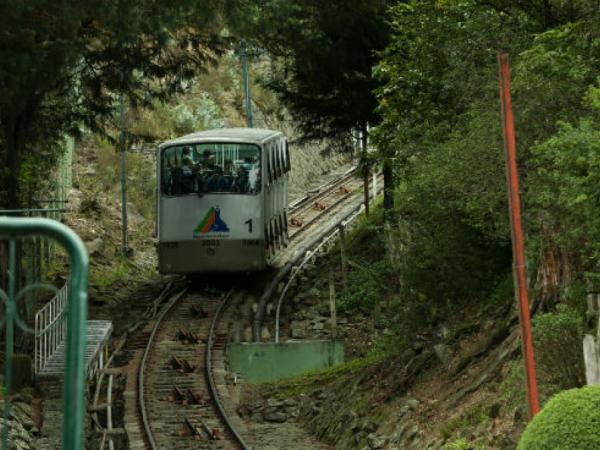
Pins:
x,y
62,62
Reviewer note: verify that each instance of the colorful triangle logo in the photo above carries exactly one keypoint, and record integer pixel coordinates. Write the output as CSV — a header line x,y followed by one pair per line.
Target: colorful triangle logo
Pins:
x,y
212,223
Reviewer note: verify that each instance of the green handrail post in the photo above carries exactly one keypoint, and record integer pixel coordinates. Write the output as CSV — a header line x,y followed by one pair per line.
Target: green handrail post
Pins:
x,y
74,381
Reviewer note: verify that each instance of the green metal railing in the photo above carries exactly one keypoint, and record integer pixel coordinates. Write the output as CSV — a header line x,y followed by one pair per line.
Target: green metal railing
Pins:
x,y
11,230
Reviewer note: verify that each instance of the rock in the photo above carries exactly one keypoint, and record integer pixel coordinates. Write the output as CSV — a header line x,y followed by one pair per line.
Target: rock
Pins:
x,y
412,403
23,413
95,247
320,394
275,403
375,442
270,410
494,410
409,405
323,309
407,354
248,334
369,426
418,346
290,402
442,351
342,320
257,416
413,433
277,416
243,411
298,329
399,433
436,444
293,412
318,326
314,293
265,334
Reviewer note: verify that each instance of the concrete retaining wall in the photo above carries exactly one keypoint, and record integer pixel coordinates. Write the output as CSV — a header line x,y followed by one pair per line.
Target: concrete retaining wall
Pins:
x,y
266,362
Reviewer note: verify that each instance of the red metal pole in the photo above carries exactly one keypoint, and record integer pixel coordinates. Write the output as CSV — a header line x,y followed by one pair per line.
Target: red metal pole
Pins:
x,y
518,245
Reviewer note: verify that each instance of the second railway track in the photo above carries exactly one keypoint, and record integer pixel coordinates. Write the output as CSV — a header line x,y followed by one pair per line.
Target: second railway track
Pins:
x,y
178,402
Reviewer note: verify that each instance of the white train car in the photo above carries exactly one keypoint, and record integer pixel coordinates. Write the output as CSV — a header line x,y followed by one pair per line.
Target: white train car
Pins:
x,y
222,200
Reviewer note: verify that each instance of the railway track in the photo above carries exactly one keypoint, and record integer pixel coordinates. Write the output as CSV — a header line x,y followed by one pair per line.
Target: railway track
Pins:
x,y
178,403
178,400
311,208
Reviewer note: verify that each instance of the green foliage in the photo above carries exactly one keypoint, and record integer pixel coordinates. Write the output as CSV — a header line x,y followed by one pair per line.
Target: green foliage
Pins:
x,y
141,179
512,387
367,287
459,444
559,355
323,56
470,419
568,421
294,386
563,189
61,64
103,277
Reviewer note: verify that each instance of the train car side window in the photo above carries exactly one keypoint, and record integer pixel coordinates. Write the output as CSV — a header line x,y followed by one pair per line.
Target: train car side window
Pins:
x,y
270,163
280,166
288,164
211,168
276,159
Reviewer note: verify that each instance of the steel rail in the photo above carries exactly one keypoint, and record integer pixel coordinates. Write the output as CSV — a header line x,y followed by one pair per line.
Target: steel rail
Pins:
x,y
145,315
320,191
308,255
209,375
298,231
288,267
141,400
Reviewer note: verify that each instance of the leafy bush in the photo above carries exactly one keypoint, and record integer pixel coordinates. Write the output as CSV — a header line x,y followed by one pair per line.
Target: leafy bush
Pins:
x,y
563,191
559,354
570,420
367,286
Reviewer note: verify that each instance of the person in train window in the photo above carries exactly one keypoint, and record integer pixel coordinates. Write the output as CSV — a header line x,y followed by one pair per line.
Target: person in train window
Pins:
x,y
186,157
188,179
226,178
211,182
169,174
208,160
240,184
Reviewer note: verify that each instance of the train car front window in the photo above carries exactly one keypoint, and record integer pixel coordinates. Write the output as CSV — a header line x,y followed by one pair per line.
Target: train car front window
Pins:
x,y
208,168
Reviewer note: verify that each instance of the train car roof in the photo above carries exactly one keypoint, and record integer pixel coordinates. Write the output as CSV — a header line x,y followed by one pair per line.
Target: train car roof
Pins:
x,y
249,135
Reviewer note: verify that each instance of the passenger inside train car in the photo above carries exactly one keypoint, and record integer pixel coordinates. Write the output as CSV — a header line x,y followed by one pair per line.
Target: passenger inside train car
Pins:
x,y
221,168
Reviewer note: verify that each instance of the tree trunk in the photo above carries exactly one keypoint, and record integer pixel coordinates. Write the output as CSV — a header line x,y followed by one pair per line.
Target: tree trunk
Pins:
x,y
14,135
12,162
365,142
388,191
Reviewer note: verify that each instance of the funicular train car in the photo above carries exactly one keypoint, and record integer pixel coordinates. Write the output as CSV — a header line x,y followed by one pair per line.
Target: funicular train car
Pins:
x,y
222,200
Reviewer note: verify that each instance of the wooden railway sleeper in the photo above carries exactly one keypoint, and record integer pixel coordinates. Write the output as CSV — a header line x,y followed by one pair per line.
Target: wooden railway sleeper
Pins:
x,y
198,312
296,222
176,395
181,365
192,398
187,336
190,430
344,190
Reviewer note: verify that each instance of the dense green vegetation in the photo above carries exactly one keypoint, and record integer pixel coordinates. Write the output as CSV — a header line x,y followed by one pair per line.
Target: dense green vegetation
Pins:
x,y
569,420
419,77
441,120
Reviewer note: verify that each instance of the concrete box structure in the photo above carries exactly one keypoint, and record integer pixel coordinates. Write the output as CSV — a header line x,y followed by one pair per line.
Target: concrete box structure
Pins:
x,y
266,362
